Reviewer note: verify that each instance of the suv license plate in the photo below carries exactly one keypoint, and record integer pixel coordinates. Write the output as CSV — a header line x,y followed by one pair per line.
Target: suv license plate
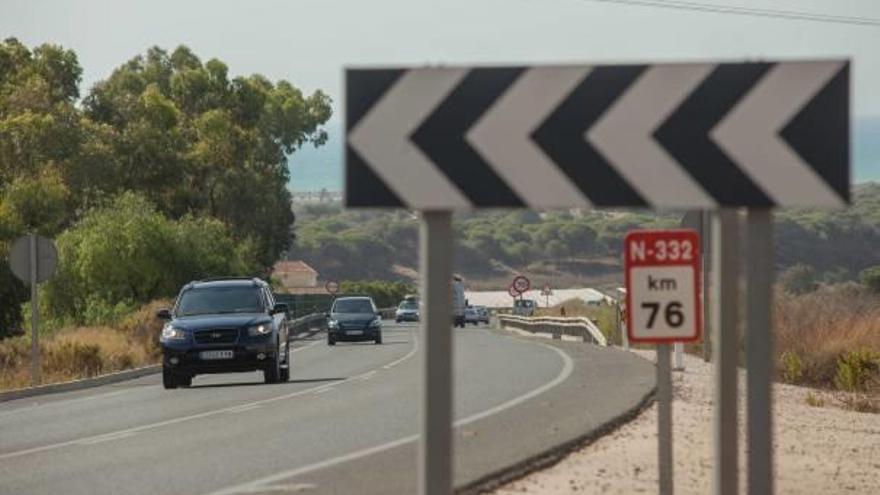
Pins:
x,y
216,355
354,332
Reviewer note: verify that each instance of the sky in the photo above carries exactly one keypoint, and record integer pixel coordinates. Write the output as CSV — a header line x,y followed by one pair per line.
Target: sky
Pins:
x,y
308,42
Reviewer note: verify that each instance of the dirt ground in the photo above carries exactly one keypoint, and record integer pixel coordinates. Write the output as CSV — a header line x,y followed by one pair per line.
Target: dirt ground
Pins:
x,y
824,449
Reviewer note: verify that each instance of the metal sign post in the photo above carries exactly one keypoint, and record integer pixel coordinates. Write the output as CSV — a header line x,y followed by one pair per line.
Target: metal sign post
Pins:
x,y
435,446
759,273
33,260
664,420
725,308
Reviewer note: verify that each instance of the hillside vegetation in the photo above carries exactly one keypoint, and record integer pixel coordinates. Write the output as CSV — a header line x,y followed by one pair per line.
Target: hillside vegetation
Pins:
x,y
567,247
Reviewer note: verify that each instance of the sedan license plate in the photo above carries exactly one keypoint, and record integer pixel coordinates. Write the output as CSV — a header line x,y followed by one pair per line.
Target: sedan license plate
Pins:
x,y
354,332
216,355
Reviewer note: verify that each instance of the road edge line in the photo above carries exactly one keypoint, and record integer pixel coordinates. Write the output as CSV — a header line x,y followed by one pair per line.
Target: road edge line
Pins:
x,y
81,384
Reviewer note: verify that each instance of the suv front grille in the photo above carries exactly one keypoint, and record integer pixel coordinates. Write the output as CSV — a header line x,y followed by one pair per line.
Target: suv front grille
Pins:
x,y
216,336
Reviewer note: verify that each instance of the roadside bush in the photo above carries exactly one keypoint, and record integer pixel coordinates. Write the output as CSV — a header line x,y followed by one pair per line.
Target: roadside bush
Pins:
x,y
870,277
74,358
125,254
792,367
799,279
855,369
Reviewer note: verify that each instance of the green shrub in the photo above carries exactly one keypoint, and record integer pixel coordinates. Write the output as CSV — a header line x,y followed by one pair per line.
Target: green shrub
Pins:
x,y
127,253
799,279
855,369
871,278
792,367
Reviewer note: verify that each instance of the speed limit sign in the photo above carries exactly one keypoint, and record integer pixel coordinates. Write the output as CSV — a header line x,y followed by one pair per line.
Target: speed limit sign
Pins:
x,y
662,285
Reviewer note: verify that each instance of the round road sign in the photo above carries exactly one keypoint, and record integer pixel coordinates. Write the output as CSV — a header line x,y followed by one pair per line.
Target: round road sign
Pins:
x,y
20,258
332,286
521,284
512,291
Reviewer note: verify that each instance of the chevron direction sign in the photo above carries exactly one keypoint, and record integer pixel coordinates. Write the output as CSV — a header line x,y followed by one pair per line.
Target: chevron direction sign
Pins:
x,y
670,136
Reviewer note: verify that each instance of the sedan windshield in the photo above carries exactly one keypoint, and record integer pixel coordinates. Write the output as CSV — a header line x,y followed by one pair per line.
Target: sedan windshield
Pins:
x,y
353,306
409,305
219,300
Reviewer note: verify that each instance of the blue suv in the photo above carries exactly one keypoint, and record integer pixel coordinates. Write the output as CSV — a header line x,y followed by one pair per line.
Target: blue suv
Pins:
x,y
221,326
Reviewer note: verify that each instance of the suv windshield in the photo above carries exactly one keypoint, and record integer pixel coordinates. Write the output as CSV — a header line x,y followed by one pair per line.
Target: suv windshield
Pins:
x,y
353,306
219,300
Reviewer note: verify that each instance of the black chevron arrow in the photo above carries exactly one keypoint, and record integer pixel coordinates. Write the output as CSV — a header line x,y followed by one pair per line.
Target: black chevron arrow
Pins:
x,y
820,133
363,187
685,134
562,136
442,137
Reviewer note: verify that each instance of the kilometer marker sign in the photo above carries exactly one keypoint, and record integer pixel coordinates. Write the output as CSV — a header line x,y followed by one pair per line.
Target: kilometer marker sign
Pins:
x,y
662,269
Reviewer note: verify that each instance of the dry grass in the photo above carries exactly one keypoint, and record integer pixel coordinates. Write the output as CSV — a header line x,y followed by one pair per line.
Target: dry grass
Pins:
x,y
830,339
82,352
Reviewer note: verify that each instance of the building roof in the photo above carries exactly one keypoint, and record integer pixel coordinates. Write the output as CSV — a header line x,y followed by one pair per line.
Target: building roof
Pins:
x,y
292,267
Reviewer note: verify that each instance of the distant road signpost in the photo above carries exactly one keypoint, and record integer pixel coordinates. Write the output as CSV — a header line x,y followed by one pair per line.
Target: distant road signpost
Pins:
x,y
513,292
33,259
547,291
521,284
332,287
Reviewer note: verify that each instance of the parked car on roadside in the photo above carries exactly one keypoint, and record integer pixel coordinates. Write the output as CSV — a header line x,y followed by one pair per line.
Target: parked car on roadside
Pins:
x,y
224,325
354,319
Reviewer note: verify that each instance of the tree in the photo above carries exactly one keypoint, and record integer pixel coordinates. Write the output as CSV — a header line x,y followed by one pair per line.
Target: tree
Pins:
x,y
870,277
799,279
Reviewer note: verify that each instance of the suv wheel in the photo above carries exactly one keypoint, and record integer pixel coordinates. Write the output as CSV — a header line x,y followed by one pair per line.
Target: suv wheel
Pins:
x,y
330,340
169,380
378,338
185,381
272,373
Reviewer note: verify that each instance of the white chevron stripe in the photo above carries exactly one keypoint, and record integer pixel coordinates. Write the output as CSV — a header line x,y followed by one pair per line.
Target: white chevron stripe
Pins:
x,y
624,136
749,134
503,137
382,139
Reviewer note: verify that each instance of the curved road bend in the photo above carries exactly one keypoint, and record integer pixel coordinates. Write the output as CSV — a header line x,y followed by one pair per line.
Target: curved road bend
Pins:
x,y
345,423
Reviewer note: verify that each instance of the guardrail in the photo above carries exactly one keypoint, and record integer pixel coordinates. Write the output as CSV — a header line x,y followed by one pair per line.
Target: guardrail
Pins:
x,y
577,327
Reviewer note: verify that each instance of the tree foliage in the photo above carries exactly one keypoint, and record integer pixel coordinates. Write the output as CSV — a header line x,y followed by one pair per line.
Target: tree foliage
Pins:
x,y
200,148
870,277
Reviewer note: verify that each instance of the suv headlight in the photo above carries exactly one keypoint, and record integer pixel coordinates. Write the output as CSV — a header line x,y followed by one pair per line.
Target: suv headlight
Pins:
x,y
376,322
171,333
260,330
332,324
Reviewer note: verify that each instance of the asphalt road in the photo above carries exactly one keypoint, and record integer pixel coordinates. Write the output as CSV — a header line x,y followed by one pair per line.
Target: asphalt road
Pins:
x,y
346,423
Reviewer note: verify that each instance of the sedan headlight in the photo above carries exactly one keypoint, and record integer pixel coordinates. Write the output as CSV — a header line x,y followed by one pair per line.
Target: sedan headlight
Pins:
x,y
260,330
171,333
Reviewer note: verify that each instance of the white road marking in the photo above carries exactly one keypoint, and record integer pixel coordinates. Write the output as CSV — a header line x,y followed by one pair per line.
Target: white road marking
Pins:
x,y
313,344
107,438
320,391
248,407
365,376
151,426
252,486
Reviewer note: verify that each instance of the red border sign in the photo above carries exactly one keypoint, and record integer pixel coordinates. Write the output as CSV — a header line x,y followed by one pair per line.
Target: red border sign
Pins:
x,y
512,291
662,269
331,286
521,284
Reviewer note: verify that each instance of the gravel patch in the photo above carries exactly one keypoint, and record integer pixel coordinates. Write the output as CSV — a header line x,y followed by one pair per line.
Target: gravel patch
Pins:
x,y
818,449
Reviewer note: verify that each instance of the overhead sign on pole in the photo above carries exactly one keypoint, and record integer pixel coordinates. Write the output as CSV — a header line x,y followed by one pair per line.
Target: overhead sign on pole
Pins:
x,y
662,271
672,136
